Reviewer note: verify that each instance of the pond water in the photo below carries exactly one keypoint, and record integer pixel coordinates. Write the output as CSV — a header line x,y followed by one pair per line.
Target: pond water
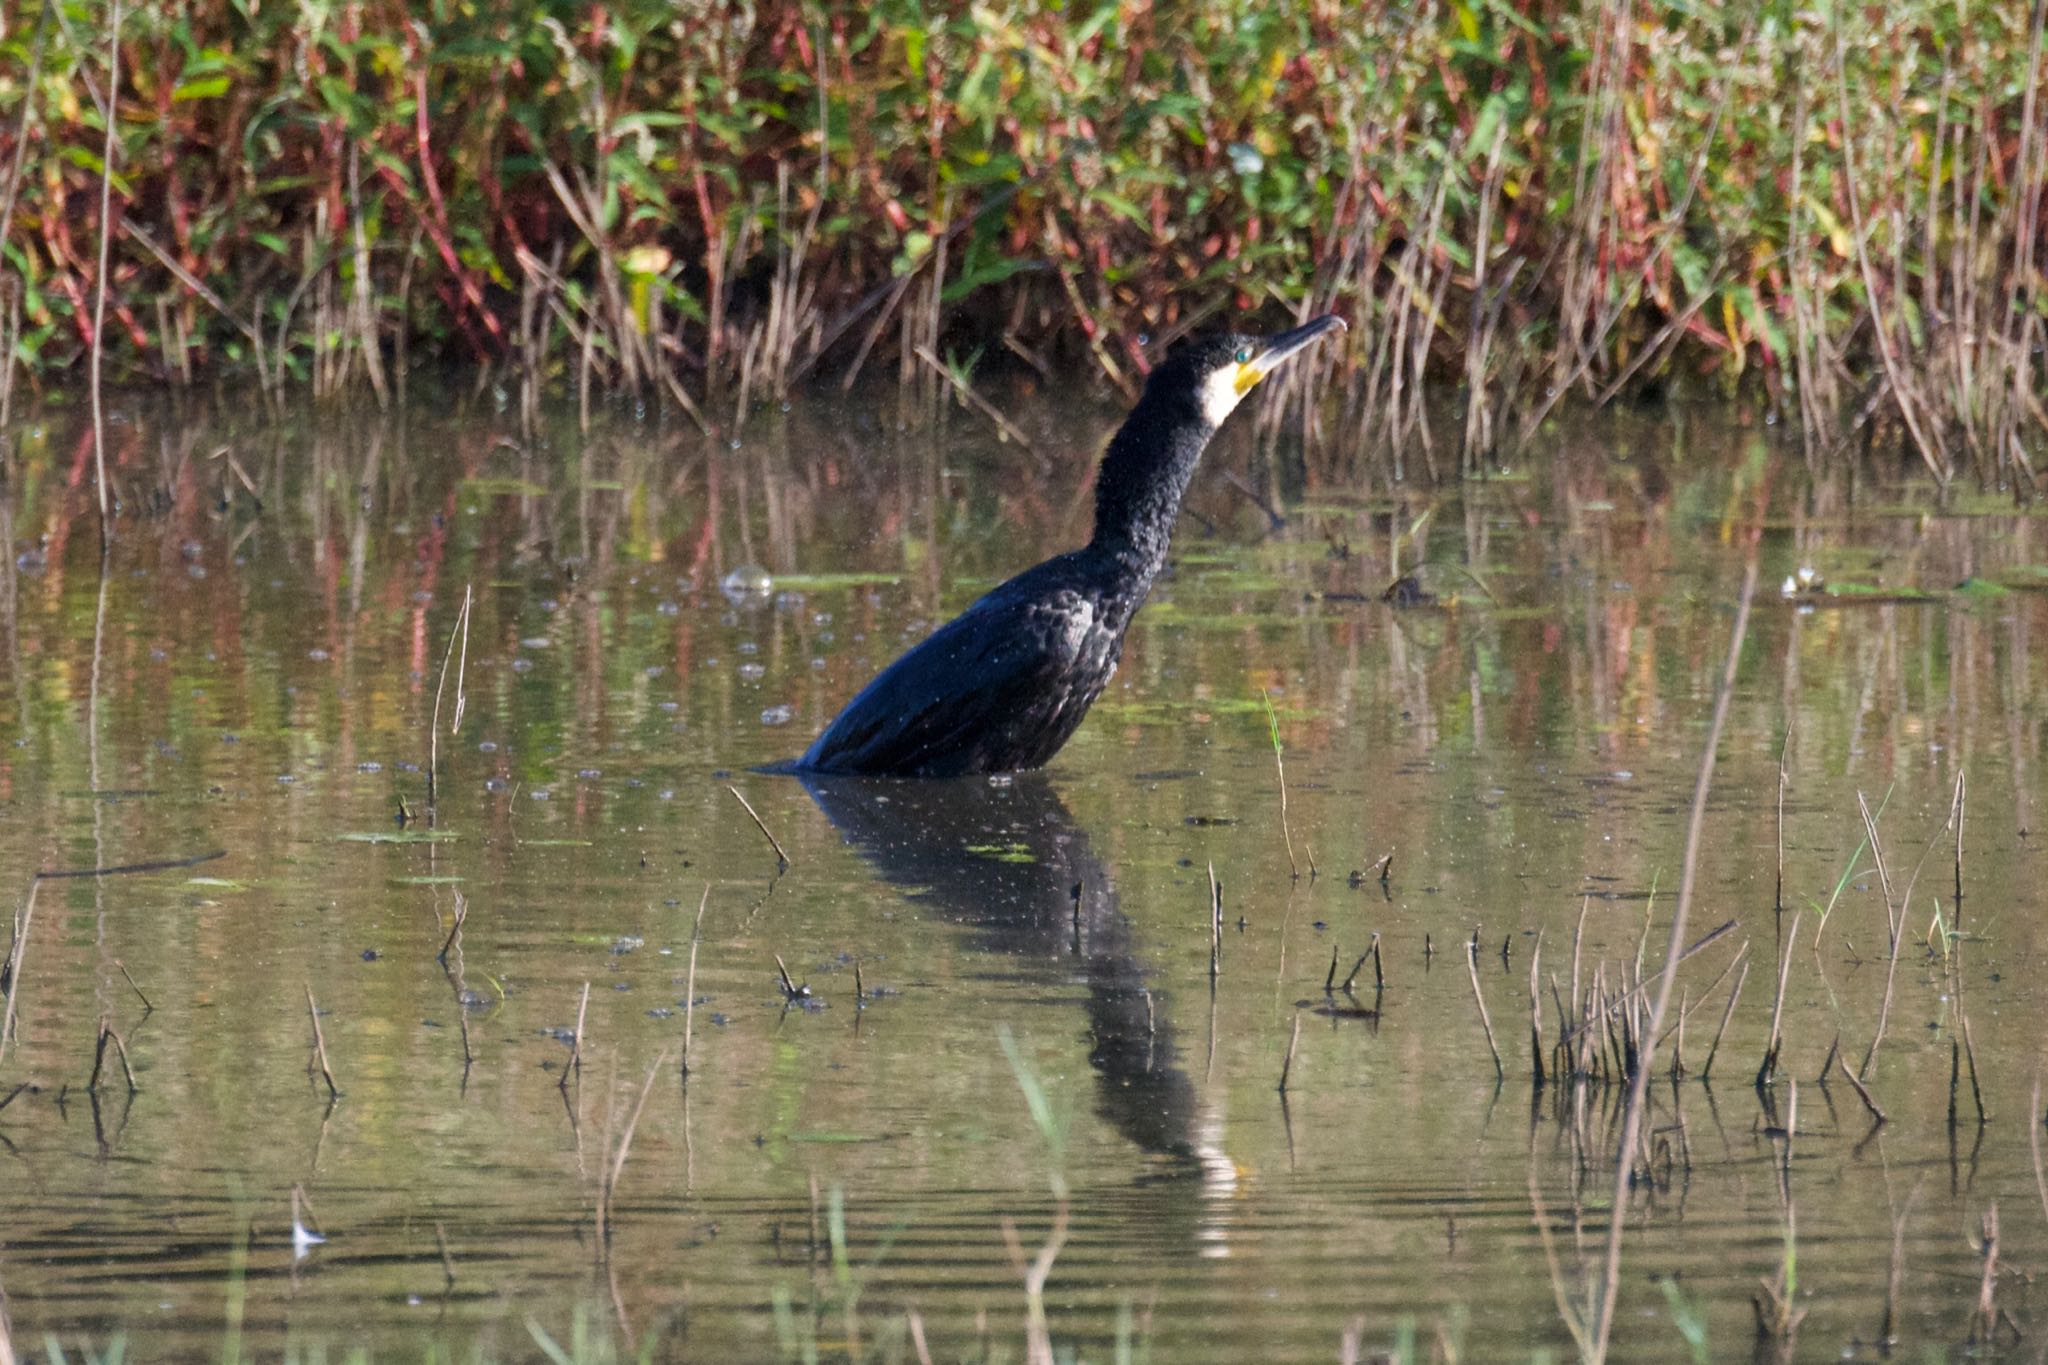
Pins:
x,y
1043,1054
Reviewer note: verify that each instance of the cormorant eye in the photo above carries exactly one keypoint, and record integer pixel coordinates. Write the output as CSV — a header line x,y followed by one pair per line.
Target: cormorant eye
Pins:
x,y
1244,355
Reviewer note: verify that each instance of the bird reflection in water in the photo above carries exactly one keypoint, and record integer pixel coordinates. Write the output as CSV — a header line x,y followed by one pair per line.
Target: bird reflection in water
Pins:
x,y
1003,859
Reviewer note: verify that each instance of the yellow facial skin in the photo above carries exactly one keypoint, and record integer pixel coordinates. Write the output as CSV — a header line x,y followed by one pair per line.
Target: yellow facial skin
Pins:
x,y
1246,378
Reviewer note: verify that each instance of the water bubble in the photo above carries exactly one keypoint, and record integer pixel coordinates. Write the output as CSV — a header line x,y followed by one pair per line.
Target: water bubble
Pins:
x,y
778,715
749,585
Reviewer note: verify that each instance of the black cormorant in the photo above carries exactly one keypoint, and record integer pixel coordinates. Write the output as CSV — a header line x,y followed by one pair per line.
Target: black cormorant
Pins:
x,y
1003,685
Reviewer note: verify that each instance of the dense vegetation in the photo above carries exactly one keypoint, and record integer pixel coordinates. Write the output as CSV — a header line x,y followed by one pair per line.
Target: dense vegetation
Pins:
x,y
712,201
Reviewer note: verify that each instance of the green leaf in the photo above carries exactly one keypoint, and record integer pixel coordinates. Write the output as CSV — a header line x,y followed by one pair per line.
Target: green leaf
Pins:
x,y
200,88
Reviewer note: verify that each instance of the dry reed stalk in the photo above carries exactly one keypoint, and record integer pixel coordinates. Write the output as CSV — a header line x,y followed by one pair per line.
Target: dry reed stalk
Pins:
x,y
1769,1069
1856,1084
781,858
147,1008
1287,1063
1905,391
111,114
1956,818
574,1065
690,982
1215,924
1895,920
1632,1112
434,725
1536,1013
1472,967
447,1260
320,1047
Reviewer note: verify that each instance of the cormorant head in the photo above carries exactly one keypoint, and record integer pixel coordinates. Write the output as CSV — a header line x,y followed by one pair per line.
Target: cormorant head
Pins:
x,y
1218,371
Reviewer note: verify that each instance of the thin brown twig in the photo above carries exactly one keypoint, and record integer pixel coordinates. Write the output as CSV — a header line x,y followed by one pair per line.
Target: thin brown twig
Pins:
x,y
780,857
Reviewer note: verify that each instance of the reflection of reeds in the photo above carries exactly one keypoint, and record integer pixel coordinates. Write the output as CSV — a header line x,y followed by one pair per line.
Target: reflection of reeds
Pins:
x,y
1842,211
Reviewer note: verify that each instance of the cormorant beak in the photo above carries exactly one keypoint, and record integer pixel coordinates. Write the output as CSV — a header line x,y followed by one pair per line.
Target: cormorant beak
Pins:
x,y
1274,351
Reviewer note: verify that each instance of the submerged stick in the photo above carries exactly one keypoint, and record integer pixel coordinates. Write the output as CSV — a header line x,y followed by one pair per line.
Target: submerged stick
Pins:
x,y
154,865
320,1046
1472,966
780,857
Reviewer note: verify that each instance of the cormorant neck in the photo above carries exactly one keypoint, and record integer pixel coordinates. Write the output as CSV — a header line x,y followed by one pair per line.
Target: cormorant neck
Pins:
x,y
1143,477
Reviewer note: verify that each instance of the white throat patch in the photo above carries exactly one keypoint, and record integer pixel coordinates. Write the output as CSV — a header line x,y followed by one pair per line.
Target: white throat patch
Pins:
x,y
1220,395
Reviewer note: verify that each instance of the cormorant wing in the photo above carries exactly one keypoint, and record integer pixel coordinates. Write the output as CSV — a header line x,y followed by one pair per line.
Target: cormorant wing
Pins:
x,y
964,696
